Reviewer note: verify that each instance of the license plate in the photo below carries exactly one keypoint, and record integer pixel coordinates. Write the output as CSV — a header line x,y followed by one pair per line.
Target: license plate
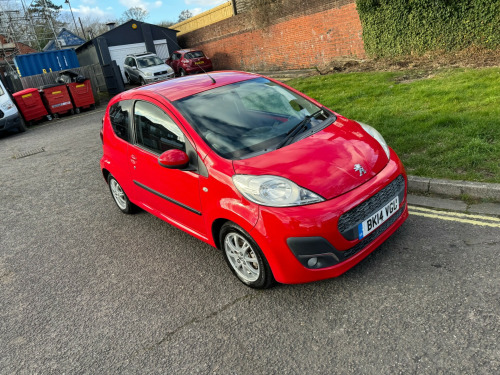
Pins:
x,y
199,62
378,218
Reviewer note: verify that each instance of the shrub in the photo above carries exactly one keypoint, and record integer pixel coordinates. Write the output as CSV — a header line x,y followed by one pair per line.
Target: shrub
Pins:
x,y
402,27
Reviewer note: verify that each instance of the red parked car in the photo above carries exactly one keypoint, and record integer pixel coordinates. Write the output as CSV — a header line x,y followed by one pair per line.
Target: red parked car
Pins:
x,y
289,190
187,61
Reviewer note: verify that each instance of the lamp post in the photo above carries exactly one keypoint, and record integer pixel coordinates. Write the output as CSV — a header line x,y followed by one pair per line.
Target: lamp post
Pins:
x,y
71,10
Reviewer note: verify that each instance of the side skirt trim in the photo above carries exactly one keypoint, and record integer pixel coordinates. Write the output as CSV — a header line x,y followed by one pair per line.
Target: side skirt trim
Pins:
x,y
167,198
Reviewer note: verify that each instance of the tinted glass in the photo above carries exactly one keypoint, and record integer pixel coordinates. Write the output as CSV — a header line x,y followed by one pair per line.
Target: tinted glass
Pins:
x,y
156,130
194,55
146,62
249,117
119,115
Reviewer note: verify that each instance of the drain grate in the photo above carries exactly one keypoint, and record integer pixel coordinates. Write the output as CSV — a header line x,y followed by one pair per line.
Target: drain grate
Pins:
x,y
29,153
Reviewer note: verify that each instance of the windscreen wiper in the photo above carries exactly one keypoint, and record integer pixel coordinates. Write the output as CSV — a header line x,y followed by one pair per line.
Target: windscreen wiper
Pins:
x,y
301,126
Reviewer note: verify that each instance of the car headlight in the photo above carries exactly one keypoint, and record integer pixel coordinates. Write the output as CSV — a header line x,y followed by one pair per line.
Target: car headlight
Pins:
x,y
273,191
148,74
378,137
7,105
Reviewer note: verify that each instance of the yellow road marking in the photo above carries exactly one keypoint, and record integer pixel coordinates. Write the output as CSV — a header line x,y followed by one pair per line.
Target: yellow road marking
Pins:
x,y
457,214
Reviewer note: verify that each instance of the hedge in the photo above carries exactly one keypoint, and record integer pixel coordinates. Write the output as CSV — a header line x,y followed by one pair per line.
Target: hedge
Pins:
x,y
402,27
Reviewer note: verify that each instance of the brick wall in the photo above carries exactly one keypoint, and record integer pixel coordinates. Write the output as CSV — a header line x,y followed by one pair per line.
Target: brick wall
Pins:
x,y
292,34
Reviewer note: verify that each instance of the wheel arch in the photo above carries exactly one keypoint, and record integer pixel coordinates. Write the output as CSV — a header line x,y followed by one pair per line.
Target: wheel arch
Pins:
x,y
216,227
105,174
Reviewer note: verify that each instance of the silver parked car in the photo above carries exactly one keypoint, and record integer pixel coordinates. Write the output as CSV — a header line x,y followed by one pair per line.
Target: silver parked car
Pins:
x,y
146,68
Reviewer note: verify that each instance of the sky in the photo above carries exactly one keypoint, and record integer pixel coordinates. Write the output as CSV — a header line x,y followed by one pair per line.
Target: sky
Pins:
x,y
159,10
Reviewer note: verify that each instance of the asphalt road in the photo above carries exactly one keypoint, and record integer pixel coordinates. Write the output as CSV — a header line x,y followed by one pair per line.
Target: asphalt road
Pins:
x,y
87,289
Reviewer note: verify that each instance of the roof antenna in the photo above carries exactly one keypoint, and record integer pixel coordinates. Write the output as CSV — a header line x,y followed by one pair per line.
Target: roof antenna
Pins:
x,y
212,78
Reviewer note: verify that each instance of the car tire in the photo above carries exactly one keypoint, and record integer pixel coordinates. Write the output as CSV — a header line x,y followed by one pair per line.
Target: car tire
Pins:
x,y
142,81
120,197
22,125
182,72
238,247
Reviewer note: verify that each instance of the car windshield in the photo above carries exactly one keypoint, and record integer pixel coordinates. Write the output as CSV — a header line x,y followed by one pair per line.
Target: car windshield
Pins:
x,y
146,62
250,117
194,55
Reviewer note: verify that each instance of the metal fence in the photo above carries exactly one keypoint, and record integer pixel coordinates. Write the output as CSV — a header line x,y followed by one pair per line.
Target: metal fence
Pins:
x,y
92,72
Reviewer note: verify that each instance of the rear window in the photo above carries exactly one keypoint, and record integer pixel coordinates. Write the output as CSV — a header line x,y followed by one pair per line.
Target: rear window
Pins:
x,y
119,115
194,55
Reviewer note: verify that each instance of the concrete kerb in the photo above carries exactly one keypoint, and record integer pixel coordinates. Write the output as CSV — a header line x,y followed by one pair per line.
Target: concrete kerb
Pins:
x,y
454,189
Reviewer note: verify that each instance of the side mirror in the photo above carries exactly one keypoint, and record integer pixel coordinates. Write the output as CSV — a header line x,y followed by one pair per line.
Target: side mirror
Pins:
x,y
174,159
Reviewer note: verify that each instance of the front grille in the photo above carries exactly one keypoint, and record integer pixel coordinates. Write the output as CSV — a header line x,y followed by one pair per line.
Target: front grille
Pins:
x,y
348,222
373,235
161,73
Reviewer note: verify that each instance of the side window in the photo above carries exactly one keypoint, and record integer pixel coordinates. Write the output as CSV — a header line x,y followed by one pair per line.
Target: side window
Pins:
x,y
132,62
156,130
119,115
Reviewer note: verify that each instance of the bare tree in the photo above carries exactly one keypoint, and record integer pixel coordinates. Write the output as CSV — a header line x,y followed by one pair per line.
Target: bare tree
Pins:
x,y
166,23
136,13
184,15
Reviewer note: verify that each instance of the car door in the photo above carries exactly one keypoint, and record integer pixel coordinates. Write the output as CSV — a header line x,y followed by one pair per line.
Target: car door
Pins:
x,y
170,193
175,62
134,73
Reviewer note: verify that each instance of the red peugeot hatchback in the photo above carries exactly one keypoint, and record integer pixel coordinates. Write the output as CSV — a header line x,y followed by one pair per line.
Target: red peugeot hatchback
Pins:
x,y
289,190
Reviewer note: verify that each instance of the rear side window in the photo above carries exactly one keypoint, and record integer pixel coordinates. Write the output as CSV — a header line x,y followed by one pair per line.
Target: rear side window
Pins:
x,y
155,130
194,55
119,115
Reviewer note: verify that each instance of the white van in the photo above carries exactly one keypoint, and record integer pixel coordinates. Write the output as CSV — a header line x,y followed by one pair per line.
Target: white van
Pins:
x,y
10,118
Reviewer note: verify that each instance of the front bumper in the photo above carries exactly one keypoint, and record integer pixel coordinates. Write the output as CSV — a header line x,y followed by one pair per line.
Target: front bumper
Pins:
x,y
10,122
313,231
159,78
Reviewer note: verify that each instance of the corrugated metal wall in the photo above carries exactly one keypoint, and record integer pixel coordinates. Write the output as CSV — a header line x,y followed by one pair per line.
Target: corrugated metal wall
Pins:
x,y
92,72
209,17
46,62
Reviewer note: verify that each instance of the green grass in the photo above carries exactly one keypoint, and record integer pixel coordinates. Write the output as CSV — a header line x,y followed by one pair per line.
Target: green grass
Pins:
x,y
446,125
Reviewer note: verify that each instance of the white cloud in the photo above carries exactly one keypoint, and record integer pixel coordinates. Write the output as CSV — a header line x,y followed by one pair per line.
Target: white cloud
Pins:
x,y
205,3
84,10
134,4
88,1
196,11
141,4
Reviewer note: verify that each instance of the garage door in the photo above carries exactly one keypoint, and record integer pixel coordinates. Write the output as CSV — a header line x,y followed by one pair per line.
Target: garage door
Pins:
x,y
162,49
118,53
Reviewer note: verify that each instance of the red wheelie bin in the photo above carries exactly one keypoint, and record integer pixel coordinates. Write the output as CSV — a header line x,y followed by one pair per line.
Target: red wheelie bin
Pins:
x,y
31,105
56,99
81,94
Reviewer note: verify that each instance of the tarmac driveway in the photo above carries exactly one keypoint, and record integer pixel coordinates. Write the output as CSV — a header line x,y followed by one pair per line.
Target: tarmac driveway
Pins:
x,y
86,289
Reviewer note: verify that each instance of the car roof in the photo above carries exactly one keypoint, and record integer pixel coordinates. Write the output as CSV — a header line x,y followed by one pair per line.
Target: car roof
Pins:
x,y
178,88
141,54
187,50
